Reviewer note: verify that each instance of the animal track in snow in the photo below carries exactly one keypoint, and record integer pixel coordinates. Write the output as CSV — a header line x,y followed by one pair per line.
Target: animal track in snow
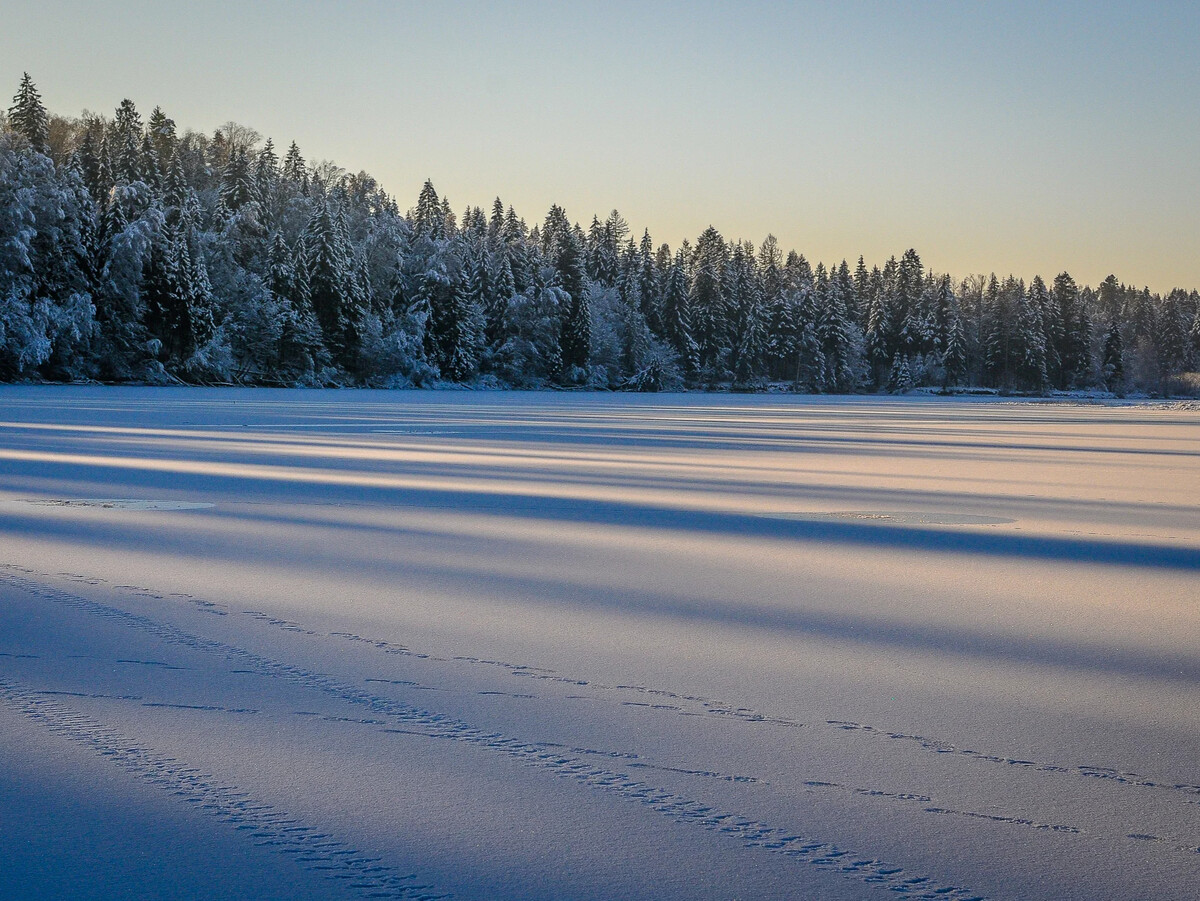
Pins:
x,y
270,827
750,833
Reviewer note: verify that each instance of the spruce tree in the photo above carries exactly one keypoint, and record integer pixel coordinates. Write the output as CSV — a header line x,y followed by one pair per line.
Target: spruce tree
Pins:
x,y
836,330
294,170
161,131
566,254
905,299
709,311
862,292
777,340
503,288
1031,335
128,165
1113,366
429,219
266,175
650,285
808,361
127,120
1000,325
237,186
954,354
27,116
87,160
302,352
743,299
151,170
953,342
329,285
677,317
901,379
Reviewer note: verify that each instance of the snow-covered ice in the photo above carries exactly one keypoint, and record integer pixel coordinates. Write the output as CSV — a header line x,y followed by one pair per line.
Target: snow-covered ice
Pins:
x,y
288,644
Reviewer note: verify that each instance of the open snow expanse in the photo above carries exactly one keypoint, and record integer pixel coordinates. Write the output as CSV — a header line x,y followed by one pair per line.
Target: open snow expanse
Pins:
x,y
286,644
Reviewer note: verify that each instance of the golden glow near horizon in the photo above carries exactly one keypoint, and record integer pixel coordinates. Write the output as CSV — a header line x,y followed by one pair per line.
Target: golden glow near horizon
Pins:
x,y
1012,139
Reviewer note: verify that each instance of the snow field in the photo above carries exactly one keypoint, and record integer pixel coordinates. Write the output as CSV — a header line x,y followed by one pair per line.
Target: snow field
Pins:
x,y
547,646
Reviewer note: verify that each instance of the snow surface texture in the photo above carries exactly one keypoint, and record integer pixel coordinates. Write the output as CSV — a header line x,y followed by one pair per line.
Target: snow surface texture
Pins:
x,y
527,646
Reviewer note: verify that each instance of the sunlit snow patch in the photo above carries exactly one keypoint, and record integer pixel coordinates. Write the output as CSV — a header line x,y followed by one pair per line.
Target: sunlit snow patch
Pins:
x,y
116,503
899,517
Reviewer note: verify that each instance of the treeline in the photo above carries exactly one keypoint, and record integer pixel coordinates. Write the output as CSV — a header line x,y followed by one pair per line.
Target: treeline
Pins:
x,y
132,252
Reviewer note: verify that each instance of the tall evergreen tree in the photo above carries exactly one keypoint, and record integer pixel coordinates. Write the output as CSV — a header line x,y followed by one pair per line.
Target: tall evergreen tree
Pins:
x,y
237,184
650,285
837,331
294,169
330,279
677,316
27,116
1031,335
429,219
709,310
747,325
1113,366
160,129
1001,344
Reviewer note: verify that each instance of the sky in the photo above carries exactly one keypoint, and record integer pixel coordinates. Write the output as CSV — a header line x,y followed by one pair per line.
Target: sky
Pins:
x,y
1022,138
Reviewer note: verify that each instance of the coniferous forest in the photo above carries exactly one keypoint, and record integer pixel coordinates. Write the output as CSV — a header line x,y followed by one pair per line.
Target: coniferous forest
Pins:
x,y
133,252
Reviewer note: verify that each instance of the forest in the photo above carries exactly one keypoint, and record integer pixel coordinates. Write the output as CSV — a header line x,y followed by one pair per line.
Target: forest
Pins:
x,y
134,251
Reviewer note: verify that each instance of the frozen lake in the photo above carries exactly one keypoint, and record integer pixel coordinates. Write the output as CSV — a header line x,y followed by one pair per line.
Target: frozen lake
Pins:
x,y
286,644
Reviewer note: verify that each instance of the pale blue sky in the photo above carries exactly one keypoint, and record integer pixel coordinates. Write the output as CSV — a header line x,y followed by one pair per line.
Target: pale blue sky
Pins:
x,y
1020,137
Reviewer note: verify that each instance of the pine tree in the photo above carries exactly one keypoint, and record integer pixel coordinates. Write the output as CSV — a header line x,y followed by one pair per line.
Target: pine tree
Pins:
x,y
27,117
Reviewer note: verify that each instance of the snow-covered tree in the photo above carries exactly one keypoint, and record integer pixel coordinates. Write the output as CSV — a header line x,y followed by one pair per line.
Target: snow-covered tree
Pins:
x,y
1113,365
27,116
706,301
145,252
